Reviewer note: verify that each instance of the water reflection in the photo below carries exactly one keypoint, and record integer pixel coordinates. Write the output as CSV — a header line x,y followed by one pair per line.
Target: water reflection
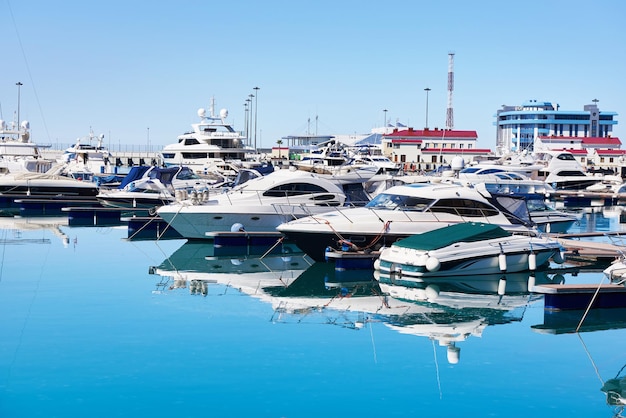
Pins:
x,y
13,228
447,310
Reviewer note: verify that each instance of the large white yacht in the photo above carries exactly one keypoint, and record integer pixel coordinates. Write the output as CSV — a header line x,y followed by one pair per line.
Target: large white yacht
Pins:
x,y
213,143
258,205
402,211
87,157
564,172
17,152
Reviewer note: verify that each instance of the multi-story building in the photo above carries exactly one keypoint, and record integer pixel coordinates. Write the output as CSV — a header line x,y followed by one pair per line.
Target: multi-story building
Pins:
x,y
429,149
518,127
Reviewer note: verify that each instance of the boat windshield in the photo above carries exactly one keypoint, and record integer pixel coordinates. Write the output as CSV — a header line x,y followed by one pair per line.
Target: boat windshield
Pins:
x,y
400,202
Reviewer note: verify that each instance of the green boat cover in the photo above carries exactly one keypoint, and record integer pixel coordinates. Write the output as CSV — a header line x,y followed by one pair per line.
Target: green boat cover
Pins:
x,y
461,232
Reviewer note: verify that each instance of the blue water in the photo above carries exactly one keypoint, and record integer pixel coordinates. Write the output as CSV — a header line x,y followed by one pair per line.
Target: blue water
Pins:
x,y
101,326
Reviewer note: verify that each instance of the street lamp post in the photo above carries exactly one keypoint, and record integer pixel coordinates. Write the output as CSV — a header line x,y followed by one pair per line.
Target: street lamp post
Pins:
x,y
245,105
427,90
256,109
250,96
18,84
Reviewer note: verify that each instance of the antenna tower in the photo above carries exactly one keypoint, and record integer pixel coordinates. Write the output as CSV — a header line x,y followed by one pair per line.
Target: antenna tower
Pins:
x,y
450,111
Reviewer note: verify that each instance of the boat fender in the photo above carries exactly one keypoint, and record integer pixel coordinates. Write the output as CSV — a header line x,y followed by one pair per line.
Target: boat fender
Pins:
x,y
432,292
502,286
558,257
377,264
502,261
531,282
453,353
433,264
237,227
532,261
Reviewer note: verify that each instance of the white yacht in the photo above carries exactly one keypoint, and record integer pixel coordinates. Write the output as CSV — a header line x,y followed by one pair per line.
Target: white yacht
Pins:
x,y
258,205
466,248
53,183
564,172
213,143
402,211
372,154
18,153
498,179
87,157
158,187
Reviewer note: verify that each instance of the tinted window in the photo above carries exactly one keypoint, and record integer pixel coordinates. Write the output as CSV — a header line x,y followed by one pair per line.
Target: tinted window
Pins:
x,y
464,207
294,189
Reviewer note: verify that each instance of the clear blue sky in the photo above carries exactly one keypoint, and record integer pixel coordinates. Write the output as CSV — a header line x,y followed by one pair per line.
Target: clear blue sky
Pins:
x,y
137,71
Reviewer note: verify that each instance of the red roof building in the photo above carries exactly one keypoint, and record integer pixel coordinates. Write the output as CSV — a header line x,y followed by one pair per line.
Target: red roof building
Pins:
x,y
428,149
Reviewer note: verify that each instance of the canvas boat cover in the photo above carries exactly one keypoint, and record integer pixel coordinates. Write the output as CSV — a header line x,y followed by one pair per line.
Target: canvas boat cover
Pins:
x,y
461,232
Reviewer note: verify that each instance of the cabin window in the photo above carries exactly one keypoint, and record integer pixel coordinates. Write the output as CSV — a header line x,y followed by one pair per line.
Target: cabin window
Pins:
x,y
194,155
294,189
464,207
390,201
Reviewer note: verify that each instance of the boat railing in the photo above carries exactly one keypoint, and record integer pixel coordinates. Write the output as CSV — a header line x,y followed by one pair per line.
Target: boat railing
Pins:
x,y
466,214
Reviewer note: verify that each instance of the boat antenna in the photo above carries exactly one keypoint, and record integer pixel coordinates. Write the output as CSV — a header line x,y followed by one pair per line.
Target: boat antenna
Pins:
x,y
373,344
437,368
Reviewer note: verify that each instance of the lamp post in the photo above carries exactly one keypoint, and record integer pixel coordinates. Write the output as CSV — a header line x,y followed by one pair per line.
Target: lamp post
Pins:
x,y
250,96
427,90
245,105
256,109
18,84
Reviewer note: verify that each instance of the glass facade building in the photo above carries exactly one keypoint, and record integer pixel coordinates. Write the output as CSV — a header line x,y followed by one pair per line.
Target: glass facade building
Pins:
x,y
519,126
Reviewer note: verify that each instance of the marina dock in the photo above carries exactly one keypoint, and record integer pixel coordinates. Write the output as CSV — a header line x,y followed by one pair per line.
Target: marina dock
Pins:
x,y
582,296
578,251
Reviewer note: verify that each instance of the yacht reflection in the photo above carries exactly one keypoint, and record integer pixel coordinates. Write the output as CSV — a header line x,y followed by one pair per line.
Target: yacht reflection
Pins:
x,y
18,224
194,266
615,390
447,310
468,304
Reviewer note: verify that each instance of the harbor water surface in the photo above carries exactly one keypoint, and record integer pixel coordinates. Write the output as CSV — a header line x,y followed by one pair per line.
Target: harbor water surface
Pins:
x,y
96,325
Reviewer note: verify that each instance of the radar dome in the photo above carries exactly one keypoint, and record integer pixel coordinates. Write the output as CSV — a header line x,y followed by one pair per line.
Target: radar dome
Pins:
x,y
201,112
25,124
223,114
457,164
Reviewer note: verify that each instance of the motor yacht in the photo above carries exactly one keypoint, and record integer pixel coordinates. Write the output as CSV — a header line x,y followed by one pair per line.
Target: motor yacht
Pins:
x,y
258,205
401,211
466,248
564,172
212,144
87,157
18,153
157,187
54,182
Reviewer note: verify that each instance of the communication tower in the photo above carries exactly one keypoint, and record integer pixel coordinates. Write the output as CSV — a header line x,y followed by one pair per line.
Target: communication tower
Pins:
x,y
450,111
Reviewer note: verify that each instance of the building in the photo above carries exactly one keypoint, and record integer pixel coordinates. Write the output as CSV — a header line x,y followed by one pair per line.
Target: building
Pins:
x,y
429,149
519,126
